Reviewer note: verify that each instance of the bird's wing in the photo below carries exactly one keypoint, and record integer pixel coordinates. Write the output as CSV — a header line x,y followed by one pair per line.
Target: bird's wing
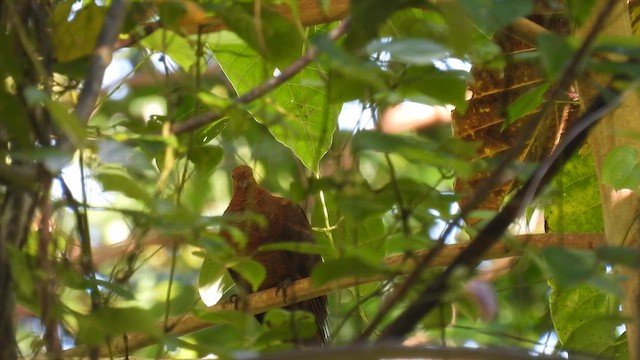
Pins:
x,y
296,228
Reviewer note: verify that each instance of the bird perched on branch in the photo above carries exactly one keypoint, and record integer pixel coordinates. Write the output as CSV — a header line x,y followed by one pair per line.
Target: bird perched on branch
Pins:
x,y
285,222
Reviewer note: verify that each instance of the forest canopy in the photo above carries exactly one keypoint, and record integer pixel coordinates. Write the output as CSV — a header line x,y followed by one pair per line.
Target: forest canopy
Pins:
x,y
468,170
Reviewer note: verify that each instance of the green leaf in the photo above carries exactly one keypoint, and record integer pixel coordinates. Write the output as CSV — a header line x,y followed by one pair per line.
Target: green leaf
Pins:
x,y
205,158
294,246
625,45
367,16
493,15
173,45
351,77
63,117
119,153
572,308
525,104
621,168
598,336
286,325
76,37
125,185
68,122
410,51
576,206
297,113
580,10
439,318
432,86
109,323
619,255
274,37
556,51
451,154
252,271
245,323
210,281
583,265
17,124
22,272
348,267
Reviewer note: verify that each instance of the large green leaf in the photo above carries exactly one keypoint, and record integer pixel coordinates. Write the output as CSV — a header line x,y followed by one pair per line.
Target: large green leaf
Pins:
x,y
296,113
109,323
74,37
452,154
621,168
125,185
252,271
585,319
492,15
576,204
275,38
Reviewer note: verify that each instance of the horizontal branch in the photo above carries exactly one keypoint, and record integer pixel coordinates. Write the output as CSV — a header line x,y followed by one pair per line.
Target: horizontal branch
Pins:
x,y
303,289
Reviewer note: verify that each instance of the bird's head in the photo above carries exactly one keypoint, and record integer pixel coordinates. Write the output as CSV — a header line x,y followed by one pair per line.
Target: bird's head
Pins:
x,y
242,176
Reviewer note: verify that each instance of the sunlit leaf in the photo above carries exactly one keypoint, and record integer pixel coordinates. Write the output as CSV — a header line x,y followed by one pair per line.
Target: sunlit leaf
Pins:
x,y
336,269
108,323
572,308
286,325
556,52
491,15
210,281
294,246
367,16
621,168
432,86
599,336
580,9
75,34
577,206
245,323
252,271
277,39
411,51
171,44
297,113
124,185
583,265
205,158
63,117
525,104
452,154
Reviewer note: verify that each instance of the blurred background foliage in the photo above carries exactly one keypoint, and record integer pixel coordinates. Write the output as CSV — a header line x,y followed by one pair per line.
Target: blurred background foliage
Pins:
x,y
373,180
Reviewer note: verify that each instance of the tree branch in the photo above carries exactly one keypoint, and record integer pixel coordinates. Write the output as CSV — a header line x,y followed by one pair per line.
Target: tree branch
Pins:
x,y
303,289
100,59
490,182
431,297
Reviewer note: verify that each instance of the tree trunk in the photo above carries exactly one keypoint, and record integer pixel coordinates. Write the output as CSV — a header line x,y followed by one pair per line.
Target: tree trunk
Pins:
x,y
620,208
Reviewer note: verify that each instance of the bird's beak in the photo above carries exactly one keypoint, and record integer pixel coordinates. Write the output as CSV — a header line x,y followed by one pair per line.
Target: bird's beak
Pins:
x,y
244,184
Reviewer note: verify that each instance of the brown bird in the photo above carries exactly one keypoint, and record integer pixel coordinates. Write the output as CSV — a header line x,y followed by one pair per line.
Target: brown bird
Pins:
x,y
285,222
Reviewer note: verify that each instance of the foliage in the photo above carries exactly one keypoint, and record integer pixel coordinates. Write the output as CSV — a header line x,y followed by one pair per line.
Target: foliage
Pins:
x,y
129,201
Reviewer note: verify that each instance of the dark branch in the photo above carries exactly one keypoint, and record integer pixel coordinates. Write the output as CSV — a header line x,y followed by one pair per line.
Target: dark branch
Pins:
x,y
100,59
432,296
490,182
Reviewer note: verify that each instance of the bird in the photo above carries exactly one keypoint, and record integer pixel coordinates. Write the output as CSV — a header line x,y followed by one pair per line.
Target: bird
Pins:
x,y
285,222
